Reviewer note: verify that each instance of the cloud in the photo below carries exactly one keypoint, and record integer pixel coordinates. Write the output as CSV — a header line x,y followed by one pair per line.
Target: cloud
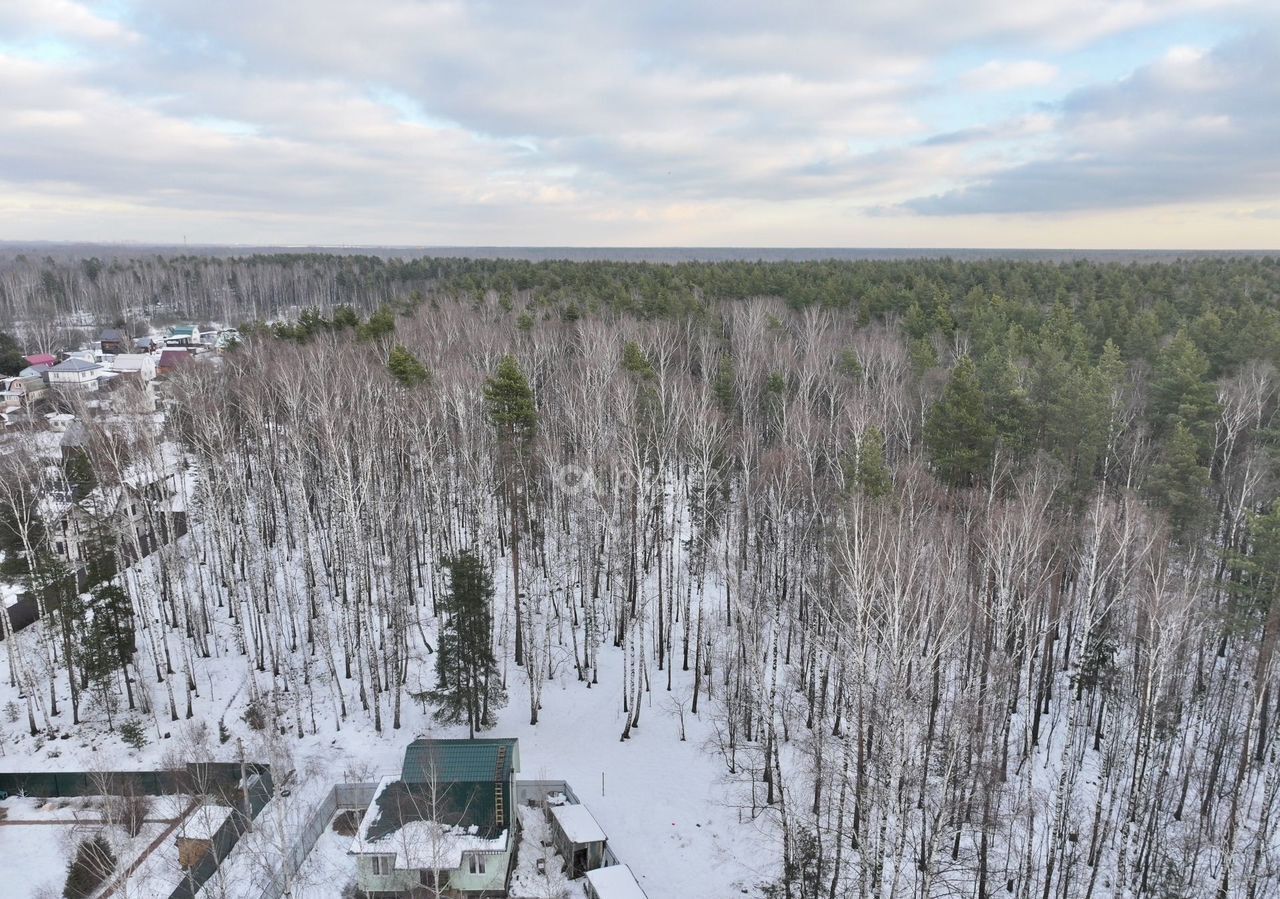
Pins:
x,y
567,121
1192,126
1001,75
59,19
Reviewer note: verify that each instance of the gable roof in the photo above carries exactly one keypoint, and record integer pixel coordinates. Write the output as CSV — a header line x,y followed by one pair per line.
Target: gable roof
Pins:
x,y
76,365
41,359
112,334
577,824
455,761
459,810
615,882
182,331
170,358
130,362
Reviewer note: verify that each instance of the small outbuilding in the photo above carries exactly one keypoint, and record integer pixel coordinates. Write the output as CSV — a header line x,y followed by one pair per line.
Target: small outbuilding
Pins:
x,y
577,837
613,882
196,834
171,361
114,340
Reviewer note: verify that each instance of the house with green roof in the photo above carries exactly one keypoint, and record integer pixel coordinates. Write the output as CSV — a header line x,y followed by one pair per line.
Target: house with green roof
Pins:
x,y
445,823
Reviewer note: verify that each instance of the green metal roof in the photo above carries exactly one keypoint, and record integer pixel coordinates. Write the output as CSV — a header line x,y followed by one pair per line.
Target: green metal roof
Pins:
x,y
459,761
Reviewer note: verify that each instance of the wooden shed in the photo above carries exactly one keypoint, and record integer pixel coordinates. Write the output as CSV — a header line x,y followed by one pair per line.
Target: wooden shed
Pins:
x,y
613,882
196,833
577,837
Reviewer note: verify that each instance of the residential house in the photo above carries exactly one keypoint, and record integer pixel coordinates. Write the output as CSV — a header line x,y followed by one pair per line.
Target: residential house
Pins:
x,y
22,392
148,344
75,374
77,528
183,336
114,341
577,837
446,823
141,364
613,882
48,360
171,361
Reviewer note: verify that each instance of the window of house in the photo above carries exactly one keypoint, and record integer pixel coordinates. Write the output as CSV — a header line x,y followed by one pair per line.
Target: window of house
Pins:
x,y
383,865
477,864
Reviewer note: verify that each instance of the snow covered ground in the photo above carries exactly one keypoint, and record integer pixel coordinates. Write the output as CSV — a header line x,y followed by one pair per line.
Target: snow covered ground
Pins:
x,y
328,869
664,803
36,859
38,839
535,845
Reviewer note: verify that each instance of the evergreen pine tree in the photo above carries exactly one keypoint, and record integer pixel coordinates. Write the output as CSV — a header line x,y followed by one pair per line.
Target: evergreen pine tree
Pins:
x,y
1181,391
509,399
510,402
868,470
1177,481
469,685
958,432
108,644
405,367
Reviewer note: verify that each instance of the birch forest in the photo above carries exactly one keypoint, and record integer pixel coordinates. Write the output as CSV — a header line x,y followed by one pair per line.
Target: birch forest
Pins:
x,y
973,568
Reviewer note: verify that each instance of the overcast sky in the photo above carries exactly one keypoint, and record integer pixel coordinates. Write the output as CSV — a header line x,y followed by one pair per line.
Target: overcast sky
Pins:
x,y
1041,123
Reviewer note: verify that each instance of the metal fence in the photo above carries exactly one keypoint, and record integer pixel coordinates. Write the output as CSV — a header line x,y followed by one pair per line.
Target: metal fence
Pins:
x,y
342,796
200,777
358,796
258,793
222,779
535,792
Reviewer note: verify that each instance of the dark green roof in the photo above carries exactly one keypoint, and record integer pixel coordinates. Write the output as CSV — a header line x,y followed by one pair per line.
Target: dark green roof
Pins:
x,y
459,761
461,804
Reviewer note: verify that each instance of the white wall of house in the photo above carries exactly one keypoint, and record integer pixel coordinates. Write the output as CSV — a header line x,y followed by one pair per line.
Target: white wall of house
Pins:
x,y
84,380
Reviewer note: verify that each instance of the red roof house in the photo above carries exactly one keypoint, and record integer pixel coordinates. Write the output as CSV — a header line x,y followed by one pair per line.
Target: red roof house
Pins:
x,y
170,360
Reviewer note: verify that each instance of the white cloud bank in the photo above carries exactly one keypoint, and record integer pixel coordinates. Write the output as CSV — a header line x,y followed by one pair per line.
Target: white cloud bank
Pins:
x,y
406,122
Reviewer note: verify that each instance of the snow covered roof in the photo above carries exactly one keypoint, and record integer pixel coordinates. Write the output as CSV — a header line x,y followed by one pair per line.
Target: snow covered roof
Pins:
x,y
416,840
577,824
615,882
204,822
130,362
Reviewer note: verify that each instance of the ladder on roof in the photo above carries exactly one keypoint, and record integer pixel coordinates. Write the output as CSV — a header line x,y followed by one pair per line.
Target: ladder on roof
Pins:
x,y
498,812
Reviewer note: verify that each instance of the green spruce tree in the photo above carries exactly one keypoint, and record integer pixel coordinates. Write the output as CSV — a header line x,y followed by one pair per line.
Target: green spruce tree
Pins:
x,y
1177,481
469,684
959,433
405,367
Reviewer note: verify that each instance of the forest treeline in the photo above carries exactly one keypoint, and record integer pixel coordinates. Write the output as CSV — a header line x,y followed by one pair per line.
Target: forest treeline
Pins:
x,y
974,569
